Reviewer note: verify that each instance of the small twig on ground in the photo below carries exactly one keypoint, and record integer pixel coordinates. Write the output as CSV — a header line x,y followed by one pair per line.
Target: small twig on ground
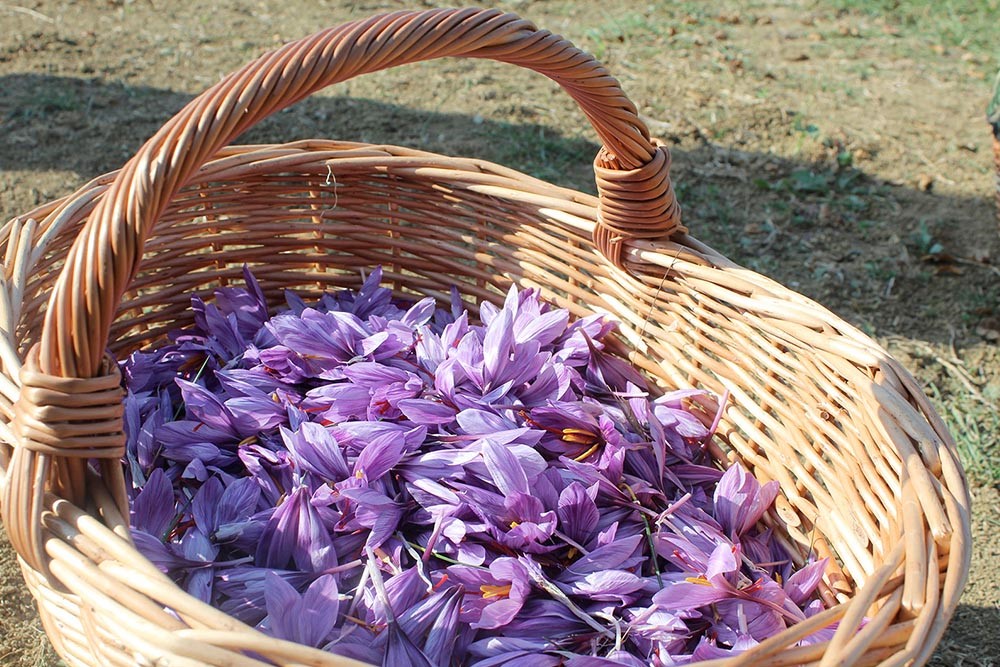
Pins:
x,y
966,260
28,12
953,369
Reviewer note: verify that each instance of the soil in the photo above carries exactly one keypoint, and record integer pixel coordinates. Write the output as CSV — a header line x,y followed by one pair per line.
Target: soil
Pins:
x,y
841,152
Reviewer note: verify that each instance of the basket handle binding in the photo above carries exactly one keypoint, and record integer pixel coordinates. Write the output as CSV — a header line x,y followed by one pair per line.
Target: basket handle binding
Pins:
x,y
632,174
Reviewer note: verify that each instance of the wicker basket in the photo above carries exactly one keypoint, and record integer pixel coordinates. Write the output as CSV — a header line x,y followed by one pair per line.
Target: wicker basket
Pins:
x,y
868,473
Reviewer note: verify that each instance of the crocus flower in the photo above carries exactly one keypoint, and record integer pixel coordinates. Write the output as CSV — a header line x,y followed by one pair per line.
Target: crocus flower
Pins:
x,y
740,500
404,484
295,534
306,618
492,596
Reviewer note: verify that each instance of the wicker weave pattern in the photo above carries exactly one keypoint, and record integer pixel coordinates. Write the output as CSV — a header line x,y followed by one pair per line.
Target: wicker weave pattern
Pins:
x,y
868,473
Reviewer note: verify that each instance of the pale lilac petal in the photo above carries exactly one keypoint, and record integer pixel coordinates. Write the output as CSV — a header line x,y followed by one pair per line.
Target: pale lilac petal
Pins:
x,y
381,454
314,449
686,595
204,406
607,585
507,473
617,554
543,329
252,414
722,561
428,413
802,584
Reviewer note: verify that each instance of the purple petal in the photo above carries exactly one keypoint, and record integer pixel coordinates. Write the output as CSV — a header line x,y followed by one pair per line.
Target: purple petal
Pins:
x,y
339,402
307,619
370,374
543,329
621,658
578,514
205,505
314,449
419,313
689,595
617,554
238,501
199,584
498,614
427,413
204,406
381,454
607,585
153,508
401,650
740,500
296,533
505,469
801,585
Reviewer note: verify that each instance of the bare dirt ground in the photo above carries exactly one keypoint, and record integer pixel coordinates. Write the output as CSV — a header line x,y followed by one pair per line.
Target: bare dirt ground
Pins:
x,y
837,149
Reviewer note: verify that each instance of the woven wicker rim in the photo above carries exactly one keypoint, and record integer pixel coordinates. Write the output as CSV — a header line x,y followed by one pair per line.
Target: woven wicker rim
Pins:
x,y
869,474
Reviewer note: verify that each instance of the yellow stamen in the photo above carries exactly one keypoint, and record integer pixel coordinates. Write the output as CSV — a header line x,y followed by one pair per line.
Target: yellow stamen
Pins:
x,y
571,554
490,591
700,580
360,474
578,436
514,524
587,453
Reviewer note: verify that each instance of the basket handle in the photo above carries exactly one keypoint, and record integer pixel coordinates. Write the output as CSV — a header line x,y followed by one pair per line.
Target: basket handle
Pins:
x,y
636,199
69,409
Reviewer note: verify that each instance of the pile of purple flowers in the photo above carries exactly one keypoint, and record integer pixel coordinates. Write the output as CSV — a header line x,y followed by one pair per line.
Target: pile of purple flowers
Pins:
x,y
395,483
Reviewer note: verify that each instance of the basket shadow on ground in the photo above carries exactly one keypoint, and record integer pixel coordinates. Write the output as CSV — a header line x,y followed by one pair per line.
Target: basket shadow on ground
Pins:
x,y
863,247
854,243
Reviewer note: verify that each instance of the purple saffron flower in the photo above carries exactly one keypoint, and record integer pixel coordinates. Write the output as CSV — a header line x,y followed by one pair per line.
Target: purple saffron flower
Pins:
x,y
315,450
759,609
308,618
271,470
295,534
603,574
740,500
153,509
494,596
501,492
240,589
578,513
523,523
802,584
709,650
433,624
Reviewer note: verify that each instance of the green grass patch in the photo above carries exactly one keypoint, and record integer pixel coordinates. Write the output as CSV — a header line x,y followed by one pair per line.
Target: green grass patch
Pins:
x,y
975,425
967,24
